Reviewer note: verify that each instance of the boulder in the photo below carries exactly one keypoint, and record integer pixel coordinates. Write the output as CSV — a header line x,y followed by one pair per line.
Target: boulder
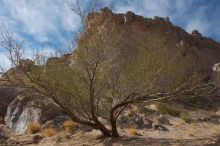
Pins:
x,y
134,120
30,108
2,136
163,120
5,133
56,122
159,122
7,95
157,126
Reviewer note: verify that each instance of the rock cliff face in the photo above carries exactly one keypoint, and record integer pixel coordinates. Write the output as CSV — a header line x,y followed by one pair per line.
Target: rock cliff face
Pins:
x,y
154,34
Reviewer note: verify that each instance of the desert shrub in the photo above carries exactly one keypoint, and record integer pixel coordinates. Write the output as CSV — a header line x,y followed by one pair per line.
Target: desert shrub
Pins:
x,y
48,132
190,132
33,128
164,109
186,119
69,126
182,122
173,112
132,131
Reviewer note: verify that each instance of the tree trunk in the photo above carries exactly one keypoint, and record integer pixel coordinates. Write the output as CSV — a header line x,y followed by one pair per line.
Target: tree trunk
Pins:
x,y
105,131
101,127
113,120
114,129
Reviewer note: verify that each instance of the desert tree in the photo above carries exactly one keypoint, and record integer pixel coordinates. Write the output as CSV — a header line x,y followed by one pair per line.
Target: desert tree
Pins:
x,y
93,86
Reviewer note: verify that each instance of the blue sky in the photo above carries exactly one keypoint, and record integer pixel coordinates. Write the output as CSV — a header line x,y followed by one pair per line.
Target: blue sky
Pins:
x,y
50,24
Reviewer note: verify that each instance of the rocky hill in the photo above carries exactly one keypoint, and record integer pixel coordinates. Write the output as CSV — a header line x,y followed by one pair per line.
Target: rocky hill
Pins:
x,y
153,34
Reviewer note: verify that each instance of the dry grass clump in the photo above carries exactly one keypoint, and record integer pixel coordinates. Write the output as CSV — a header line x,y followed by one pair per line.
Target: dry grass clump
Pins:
x,y
185,119
33,128
69,126
48,132
190,132
132,131
2,121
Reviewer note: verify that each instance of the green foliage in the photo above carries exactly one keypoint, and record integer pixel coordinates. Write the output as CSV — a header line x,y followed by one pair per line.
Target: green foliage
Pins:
x,y
164,109
144,109
186,118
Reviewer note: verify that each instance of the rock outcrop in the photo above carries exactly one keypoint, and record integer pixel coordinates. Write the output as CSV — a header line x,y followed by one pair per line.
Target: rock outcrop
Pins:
x,y
215,75
7,95
153,34
30,108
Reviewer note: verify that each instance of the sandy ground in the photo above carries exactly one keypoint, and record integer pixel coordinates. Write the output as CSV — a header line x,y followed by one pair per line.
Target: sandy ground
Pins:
x,y
182,130
179,134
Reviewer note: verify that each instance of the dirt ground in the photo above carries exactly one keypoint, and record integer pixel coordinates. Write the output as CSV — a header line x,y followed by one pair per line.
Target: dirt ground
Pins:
x,y
182,134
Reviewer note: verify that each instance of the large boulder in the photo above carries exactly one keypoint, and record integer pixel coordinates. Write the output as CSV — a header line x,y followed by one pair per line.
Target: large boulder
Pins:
x,y
5,133
163,120
30,108
136,120
7,95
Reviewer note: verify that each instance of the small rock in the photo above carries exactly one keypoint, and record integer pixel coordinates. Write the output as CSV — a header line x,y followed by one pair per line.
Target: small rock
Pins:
x,y
163,120
84,128
147,123
152,107
196,33
139,121
37,138
2,135
159,127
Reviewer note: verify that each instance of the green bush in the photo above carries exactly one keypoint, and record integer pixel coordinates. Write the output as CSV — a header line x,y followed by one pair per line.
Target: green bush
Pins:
x,y
186,119
173,112
163,109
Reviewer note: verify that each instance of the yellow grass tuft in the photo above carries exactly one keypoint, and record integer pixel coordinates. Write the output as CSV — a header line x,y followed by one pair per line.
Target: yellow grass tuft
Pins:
x,y
182,121
69,126
190,132
186,119
33,128
48,132
2,121
132,131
